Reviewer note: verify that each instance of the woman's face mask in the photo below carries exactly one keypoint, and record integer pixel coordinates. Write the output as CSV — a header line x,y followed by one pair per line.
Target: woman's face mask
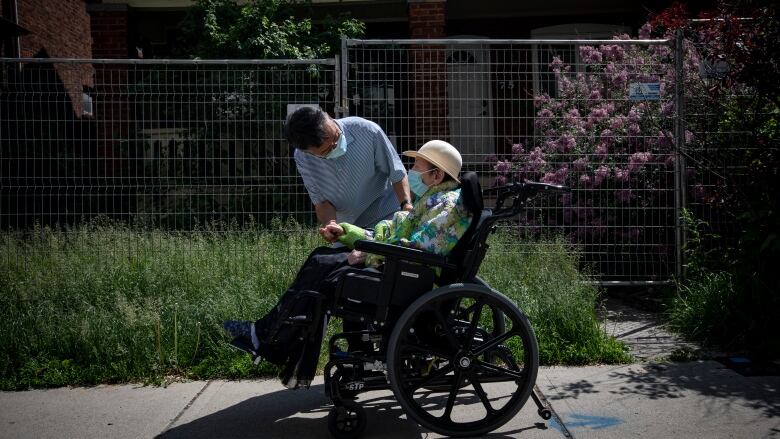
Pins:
x,y
415,181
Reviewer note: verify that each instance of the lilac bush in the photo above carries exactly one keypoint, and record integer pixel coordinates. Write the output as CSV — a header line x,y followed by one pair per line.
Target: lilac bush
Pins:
x,y
612,151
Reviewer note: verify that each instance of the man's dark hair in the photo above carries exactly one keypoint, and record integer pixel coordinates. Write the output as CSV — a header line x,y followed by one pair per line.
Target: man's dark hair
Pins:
x,y
305,128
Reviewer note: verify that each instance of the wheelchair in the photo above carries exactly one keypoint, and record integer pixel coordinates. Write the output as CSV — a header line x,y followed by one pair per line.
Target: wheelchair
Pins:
x,y
460,357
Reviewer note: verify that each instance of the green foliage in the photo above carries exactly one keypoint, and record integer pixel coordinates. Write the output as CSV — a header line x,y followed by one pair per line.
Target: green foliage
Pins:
x,y
722,302
105,302
543,279
261,29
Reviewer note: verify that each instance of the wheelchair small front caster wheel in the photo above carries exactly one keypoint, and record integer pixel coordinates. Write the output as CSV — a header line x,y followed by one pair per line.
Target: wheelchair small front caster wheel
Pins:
x,y
347,421
546,414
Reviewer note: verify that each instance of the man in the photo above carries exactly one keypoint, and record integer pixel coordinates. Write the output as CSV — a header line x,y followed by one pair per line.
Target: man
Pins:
x,y
349,167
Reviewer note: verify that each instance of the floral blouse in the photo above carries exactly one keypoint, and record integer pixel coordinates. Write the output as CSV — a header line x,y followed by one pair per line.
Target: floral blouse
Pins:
x,y
435,224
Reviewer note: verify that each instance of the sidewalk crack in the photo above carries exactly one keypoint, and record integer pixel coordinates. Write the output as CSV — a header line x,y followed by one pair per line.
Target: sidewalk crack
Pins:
x,y
184,409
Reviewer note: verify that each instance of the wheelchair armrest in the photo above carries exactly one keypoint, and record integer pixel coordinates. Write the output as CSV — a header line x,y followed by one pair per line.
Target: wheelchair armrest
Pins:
x,y
405,253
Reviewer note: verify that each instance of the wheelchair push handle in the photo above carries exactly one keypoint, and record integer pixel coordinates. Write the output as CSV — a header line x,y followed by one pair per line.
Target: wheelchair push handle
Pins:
x,y
519,193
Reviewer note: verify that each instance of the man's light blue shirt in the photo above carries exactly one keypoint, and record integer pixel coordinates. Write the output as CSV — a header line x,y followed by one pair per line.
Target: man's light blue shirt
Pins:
x,y
359,183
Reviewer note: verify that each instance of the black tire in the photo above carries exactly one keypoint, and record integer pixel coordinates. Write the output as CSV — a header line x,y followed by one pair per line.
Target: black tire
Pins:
x,y
455,361
347,421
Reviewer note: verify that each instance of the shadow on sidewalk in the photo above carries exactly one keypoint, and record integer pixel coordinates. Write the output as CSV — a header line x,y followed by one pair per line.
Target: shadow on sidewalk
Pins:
x,y
675,380
303,414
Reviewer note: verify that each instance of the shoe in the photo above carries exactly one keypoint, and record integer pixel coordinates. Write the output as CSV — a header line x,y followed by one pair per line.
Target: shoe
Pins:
x,y
239,328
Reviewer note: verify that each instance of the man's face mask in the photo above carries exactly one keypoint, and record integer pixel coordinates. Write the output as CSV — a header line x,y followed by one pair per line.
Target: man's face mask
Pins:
x,y
340,149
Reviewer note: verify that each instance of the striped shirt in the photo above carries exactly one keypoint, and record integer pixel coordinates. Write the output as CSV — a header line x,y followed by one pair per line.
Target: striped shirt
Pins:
x,y
359,183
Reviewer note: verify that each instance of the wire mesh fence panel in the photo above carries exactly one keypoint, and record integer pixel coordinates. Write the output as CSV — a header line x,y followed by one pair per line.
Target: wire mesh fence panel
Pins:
x,y
171,145
152,154
595,115
727,147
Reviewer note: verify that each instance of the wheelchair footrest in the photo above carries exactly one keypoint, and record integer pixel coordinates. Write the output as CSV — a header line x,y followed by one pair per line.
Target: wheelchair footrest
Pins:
x,y
241,344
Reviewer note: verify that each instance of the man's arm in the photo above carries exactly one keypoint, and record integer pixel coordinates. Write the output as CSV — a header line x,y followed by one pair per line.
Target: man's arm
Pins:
x,y
326,212
401,188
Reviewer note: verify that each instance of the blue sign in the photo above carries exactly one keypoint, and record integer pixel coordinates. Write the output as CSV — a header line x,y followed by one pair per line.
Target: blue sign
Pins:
x,y
644,91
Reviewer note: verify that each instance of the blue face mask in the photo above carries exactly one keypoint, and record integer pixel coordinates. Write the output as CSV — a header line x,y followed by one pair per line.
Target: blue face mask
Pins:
x,y
340,149
415,182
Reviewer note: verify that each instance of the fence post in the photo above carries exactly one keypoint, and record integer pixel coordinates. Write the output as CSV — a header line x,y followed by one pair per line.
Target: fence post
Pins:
x,y
342,104
679,163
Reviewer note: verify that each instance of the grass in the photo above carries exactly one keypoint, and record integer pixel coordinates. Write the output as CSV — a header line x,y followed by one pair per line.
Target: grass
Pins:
x,y
105,302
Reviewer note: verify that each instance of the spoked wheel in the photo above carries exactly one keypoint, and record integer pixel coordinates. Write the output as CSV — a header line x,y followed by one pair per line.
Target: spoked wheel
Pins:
x,y
462,360
347,421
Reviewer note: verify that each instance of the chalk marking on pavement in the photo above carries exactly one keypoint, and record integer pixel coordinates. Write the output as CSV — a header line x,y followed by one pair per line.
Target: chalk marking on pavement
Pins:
x,y
189,404
557,422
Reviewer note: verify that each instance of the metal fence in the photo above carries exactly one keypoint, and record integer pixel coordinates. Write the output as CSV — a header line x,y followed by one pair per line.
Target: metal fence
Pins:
x,y
553,110
180,144
170,144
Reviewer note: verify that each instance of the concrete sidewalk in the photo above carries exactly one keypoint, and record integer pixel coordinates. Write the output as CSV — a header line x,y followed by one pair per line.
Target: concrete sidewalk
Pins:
x,y
698,399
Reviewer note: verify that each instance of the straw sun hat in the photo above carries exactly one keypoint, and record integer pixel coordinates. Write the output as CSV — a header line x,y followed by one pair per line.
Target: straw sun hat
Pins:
x,y
440,154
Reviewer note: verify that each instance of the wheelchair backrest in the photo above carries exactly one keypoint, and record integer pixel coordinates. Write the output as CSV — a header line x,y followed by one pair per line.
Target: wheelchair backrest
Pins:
x,y
468,253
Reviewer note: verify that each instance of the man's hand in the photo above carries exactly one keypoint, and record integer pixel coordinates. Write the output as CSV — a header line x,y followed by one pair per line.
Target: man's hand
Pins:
x,y
331,231
356,257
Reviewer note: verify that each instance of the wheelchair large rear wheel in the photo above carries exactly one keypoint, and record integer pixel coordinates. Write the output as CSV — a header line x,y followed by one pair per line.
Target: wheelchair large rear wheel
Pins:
x,y
462,360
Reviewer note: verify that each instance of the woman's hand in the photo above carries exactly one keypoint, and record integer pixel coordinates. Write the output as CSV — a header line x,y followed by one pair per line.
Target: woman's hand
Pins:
x,y
356,257
331,232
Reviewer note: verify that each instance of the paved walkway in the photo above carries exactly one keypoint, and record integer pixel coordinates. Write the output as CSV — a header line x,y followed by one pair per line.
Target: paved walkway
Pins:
x,y
699,399
642,331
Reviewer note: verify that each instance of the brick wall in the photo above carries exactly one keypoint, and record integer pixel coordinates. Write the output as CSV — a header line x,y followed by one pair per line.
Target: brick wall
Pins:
x,y
109,31
59,29
427,20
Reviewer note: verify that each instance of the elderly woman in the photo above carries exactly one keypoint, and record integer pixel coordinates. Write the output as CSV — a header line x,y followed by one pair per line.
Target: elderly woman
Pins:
x,y
436,222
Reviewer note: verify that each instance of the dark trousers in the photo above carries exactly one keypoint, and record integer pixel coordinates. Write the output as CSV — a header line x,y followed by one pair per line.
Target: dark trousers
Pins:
x,y
321,273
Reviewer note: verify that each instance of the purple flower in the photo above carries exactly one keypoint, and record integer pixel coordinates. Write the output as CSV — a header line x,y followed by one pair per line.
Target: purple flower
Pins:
x,y
585,180
517,149
580,164
664,139
566,143
634,130
669,162
637,160
601,150
621,78
590,55
601,173
561,174
499,181
544,118
597,115
595,95
549,178
607,137
645,31
634,114
618,122
556,64
503,167
491,158
612,52
621,175
541,100
536,159
623,195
